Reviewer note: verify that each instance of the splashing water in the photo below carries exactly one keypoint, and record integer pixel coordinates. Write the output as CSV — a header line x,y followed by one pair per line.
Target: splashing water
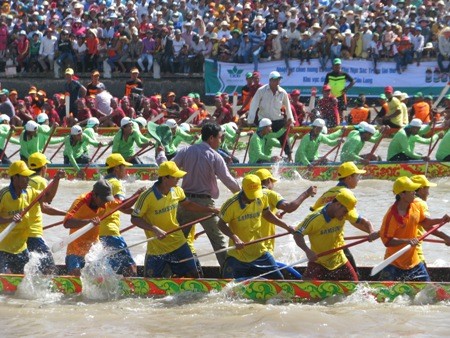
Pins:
x,y
99,280
36,285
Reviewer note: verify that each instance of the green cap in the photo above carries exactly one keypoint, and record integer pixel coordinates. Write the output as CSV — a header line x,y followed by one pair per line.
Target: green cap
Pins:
x,y
447,97
337,61
4,92
191,95
249,75
196,95
418,94
383,96
429,97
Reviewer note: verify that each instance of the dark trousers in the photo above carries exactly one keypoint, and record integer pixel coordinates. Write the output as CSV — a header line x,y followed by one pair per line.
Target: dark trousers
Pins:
x,y
276,126
5,159
401,157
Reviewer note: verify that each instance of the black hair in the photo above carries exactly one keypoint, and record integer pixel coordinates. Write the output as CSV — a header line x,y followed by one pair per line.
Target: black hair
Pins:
x,y
210,129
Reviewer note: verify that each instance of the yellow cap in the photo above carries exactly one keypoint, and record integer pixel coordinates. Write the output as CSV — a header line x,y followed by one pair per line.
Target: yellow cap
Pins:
x,y
347,199
404,183
69,71
264,174
37,160
349,168
170,168
19,168
115,160
251,184
423,181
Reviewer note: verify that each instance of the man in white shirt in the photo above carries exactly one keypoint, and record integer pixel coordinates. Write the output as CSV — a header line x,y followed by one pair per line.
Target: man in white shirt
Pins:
x,y
268,101
418,42
47,50
103,99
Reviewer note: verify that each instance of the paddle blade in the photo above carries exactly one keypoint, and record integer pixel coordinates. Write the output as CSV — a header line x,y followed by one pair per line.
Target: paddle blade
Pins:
x,y
73,236
7,230
389,260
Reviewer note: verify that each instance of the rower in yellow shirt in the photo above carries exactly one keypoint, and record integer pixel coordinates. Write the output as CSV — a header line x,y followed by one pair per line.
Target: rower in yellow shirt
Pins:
x,y
13,199
36,243
240,220
156,212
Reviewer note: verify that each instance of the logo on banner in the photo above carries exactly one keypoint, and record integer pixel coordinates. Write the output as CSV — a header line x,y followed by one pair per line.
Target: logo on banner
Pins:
x,y
235,72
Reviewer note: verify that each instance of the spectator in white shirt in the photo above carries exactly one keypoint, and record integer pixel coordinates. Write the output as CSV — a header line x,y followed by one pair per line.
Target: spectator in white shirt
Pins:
x,y
47,50
418,42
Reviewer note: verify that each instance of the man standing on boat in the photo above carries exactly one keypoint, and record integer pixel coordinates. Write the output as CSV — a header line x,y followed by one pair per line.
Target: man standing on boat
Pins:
x,y
400,227
402,144
36,243
272,102
308,151
349,175
156,212
325,229
337,79
204,165
240,220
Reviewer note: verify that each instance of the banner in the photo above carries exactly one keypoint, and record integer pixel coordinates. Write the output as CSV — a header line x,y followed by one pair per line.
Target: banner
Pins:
x,y
230,77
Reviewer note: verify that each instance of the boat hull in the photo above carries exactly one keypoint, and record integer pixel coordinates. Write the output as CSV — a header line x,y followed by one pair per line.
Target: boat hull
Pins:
x,y
260,291
375,170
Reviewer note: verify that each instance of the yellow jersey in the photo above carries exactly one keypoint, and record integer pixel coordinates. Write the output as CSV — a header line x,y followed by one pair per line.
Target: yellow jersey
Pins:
x,y
35,215
161,211
324,234
244,221
110,226
267,228
10,204
328,196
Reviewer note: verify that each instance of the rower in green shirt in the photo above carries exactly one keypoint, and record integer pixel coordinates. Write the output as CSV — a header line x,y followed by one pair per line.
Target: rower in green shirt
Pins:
x,y
30,143
402,145
74,148
45,131
308,151
5,129
231,135
443,151
124,140
178,135
355,142
257,148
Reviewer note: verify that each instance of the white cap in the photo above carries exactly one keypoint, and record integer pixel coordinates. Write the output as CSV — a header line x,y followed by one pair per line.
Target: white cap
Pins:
x,y
31,126
4,117
368,128
405,96
233,125
324,130
416,123
76,130
92,122
318,123
264,123
397,93
141,121
275,75
185,126
125,121
41,118
171,123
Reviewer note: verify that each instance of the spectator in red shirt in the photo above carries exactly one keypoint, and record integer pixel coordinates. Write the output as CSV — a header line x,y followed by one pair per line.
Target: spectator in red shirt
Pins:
x,y
328,106
298,108
185,111
221,114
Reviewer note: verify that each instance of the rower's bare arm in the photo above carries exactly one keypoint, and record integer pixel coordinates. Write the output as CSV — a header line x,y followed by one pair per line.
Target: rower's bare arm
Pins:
x,y
366,226
51,210
269,216
428,223
295,204
143,224
227,232
300,241
71,223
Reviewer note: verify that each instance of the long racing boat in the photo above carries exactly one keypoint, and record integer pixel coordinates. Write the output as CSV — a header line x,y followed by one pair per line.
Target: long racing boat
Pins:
x,y
375,170
260,290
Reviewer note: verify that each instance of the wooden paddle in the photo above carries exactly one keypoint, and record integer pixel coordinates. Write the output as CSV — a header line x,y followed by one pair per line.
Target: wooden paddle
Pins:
x,y
286,137
14,153
11,132
324,156
238,135
141,152
246,151
181,227
339,145
304,260
377,268
431,146
48,140
52,225
103,152
234,246
13,224
57,151
90,161
375,146
81,231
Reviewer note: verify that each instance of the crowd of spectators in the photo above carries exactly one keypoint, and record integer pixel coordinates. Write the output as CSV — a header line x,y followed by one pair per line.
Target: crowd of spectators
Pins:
x,y
179,35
